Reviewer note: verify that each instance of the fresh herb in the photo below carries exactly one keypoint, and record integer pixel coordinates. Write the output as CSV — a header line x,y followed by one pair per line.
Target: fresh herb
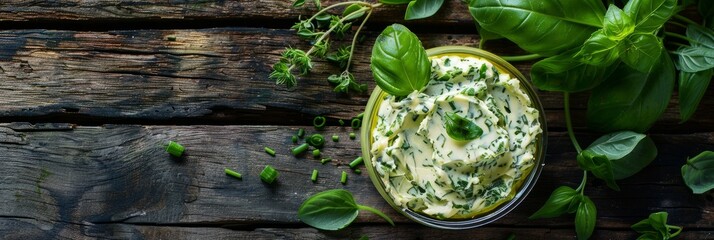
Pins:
x,y
656,227
333,210
316,153
335,138
557,204
399,62
233,173
325,160
585,217
342,122
316,140
352,135
301,133
175,149
460,128
300,149
295,138
269,174
418,9
357,171
343,178
270,151
356,162
314,175
319,122
356,123
698,173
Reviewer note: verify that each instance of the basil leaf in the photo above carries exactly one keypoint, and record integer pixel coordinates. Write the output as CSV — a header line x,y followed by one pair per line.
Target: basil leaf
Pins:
x,y
702,36
650,15
418,9
395,1
585,218
557,203
599,165
298,3
399,62
460,128
561,73
632,100
628,152
641,51
698,173
656,227
352,9
546,28
599,50
573,206
691,90
332,210
695,59
617,24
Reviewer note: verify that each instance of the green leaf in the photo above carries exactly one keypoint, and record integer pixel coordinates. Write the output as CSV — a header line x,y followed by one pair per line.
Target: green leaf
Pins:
x,y
691,90
418,9
706,9
695,59
599,165
298,3
561,73
641,51
547,28
650,15
460,128
585,218
395,1
628,152
399,62
632,100
483,33
557,204
656,227
698,173
701,36
617,24
599,50
354,8
332,210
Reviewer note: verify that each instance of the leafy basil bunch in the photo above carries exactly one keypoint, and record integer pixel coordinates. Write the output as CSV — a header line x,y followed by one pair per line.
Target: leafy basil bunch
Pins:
x,y
567,200
656,227
333,210
399,61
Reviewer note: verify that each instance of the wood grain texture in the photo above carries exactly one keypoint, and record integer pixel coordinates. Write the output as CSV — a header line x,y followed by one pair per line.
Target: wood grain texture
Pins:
x,y
216,75
63,179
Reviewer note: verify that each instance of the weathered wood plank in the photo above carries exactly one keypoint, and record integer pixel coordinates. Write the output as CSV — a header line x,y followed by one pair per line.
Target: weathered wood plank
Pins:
x,y
120,174
215,75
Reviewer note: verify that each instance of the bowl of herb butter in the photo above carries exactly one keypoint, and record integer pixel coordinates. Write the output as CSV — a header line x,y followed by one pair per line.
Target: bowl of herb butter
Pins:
x,y
461,151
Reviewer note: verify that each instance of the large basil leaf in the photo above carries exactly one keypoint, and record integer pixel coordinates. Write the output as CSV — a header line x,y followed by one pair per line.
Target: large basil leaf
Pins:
x,y
617,24
418,9
701,36
599,50
641,51
599,166
691,90
585,218
698,173
399,62
628,152
557,204
630,99
333,210
650,15
695,59
547,27
483,33
561,73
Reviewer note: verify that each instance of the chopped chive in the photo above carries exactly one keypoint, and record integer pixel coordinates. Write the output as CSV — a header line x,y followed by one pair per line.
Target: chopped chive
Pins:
x,y
316,153
301,133
356,162
270,151
352,135
342,123
360,115
325,160
357,171
319,122
299,149
268,175
171,38
316,140
295,138
314,175
356,123
343,179
175,149
335,138
233,173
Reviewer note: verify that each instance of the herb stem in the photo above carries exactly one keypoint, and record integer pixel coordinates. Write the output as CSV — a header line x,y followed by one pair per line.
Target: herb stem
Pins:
x,y
678,24
375,211
581,188
679,229
680,36
340,4
685,19
481,43
678,44
354,38
522,57
569,123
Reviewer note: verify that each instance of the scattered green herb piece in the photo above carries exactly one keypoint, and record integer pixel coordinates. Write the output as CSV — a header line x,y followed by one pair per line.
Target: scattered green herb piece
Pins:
x,y
460,128
295,138
343,178
656,227
342,122
333,210
356,162
399,62
233,173
319,122
356,123
314,175
269,174
301,133
357,171
300,149
698,173
175,149
352,135
360,115
316,153
325,160
171,38
316,140
270,151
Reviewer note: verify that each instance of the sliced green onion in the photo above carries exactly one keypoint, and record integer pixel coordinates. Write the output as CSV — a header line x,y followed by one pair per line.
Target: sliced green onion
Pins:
x,y
314,175
335,138
175,149
316,153
325,160
352,135
233,173
356,123
343,179
268,175
316,140
319,122
171,38
360,115
295,138
356,162
301,133
270,151
342,123
300,149
357,171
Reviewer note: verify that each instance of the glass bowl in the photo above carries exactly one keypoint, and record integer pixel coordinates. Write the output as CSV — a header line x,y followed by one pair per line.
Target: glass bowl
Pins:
x,y
519,193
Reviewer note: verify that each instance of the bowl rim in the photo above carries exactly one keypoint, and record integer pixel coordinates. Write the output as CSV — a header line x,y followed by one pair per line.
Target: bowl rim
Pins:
x,y
504,208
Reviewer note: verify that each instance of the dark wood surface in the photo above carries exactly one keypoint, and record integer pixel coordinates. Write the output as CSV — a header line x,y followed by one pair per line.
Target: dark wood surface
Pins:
x,y
90,91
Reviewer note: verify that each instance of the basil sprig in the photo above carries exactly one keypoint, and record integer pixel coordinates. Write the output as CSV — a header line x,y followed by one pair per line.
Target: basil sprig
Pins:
x,y
333,210
399,62
656,227
460,128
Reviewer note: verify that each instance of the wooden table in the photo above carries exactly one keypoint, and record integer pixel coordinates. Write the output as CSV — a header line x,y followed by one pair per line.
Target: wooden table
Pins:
x,y
90,90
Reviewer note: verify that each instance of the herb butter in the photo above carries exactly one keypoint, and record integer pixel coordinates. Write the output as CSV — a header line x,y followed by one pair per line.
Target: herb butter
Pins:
x,y
426,170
